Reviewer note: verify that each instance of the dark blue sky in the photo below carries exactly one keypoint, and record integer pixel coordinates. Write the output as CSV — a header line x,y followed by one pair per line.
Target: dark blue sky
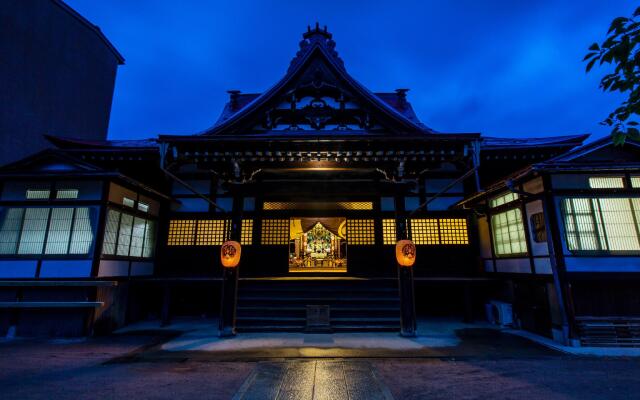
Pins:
x,y
502,68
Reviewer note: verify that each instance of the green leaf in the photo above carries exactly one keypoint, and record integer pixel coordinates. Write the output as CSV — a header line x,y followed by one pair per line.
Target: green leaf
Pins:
x,y
636,12
633,133
591,63
594,47
617,23
588,56
618,138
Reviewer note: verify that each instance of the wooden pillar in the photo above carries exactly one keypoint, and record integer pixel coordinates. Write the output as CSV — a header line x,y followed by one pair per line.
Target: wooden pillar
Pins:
x,y
166,305
468,301
405,277
229,297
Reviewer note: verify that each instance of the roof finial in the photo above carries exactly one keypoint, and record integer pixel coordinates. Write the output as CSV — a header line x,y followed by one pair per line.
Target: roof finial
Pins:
x,y
402,95
233,98
317,31
314,37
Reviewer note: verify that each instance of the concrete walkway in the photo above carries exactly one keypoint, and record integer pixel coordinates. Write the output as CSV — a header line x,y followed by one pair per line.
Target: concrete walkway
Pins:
x,y
313,380
437,338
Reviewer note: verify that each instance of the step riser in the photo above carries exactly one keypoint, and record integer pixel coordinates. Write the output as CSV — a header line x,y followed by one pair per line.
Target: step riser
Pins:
x,y
334,304
355,306
334,313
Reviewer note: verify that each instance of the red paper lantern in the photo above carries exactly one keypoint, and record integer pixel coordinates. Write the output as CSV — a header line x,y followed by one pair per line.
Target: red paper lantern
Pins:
x,y
230,254
405,253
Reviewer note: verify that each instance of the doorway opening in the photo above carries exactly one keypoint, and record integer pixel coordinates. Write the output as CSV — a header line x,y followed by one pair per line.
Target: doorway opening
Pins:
x,y
318,245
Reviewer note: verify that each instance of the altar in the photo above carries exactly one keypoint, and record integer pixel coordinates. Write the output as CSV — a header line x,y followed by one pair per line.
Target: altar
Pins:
x,y
317,245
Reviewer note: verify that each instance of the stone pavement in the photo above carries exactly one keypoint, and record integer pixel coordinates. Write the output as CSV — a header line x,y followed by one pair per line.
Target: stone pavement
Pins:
x,y
313,380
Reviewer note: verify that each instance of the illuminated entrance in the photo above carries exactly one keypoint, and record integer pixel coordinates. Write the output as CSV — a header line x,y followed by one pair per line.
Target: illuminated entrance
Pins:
x,y
317,245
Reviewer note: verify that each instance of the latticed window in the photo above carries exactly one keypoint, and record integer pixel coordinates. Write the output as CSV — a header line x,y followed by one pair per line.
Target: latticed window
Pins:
x,y
275,232
202,232
439,231
124,235
425,231
602,224
503,199
67,194
10,230
388,231
508,233
59,231
38,194
128,236
635,182
212,232
360,232
182,232
453,231
606,182
51,231
246,234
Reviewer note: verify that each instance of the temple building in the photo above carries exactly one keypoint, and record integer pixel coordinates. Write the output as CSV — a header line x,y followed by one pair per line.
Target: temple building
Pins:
x,y
317,178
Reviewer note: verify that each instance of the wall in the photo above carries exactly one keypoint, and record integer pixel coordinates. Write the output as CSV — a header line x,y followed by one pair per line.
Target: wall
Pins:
x,y
57,77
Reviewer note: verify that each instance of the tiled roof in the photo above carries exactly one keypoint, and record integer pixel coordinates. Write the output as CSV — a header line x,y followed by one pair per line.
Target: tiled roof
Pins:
x,y
65,142
498,143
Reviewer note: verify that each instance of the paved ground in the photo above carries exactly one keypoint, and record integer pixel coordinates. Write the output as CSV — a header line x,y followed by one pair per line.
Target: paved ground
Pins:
x,y
97,369
314,380
523,379
481,364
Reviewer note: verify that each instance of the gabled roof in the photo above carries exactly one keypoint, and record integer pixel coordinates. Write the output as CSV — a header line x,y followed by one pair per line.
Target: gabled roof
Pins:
x,y
317,44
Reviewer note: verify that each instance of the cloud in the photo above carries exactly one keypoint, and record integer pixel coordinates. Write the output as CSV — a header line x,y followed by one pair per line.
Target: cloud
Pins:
x,y
497,67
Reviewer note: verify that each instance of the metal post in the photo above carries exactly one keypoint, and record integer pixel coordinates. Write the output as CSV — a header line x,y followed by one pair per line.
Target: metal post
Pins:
x,y
406,288
229,295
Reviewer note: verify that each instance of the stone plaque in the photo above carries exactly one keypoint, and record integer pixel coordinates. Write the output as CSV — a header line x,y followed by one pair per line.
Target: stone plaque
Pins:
x,y
318,318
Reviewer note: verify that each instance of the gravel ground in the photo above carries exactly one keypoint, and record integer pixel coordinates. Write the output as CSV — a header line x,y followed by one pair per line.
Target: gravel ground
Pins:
x,y
547,378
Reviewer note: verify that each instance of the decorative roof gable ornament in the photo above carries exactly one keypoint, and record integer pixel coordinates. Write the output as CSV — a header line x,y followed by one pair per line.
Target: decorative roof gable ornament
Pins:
x,y
316,37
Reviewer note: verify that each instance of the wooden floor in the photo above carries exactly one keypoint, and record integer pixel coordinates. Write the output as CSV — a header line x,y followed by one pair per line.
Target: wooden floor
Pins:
x,y
322,270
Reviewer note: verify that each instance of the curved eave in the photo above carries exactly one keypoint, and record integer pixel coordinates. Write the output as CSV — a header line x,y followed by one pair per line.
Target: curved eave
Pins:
x,y
329,137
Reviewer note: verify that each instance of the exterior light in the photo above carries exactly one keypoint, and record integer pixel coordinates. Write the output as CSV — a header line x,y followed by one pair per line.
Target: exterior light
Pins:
x,y
405,253
230,254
